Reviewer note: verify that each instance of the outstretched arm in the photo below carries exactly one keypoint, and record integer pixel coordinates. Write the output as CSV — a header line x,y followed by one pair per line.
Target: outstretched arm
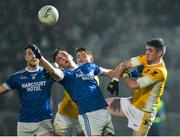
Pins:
x,y
119,70
54,72
3,88
113,86
107,72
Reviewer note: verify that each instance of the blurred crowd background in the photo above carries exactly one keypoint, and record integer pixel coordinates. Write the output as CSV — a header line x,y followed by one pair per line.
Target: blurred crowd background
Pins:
x,y
114,29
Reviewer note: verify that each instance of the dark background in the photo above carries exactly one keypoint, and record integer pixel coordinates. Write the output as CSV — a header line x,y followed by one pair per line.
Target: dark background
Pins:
x,y
114,29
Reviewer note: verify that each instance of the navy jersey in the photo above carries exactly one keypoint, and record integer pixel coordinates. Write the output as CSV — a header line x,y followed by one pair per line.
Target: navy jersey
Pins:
x,y
34,92
83,88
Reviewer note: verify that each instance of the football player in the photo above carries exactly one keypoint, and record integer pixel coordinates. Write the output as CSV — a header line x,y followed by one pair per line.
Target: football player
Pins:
x,y
33,87
66,121
81,85
141,108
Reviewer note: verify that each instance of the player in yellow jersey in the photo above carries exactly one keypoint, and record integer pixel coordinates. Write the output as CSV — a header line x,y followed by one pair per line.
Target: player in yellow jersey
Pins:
x,y
66,120
141,108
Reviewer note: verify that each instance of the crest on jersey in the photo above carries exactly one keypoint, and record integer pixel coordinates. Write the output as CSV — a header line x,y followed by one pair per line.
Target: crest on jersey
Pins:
x,y
33,76
154,73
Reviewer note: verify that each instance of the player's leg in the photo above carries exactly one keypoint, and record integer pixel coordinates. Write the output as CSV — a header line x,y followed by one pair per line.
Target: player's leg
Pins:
x,y
109,128
143,132
62,125
139,121
76,128
114,106
137,133
146,123
45,128
87,123
66,126
26,129
93,123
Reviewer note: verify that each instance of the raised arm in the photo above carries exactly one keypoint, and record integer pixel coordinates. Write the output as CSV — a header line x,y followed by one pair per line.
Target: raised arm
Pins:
x,y
56,73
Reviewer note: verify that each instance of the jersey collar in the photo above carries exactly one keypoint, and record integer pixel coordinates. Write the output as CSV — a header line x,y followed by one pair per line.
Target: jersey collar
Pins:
x,y
32,70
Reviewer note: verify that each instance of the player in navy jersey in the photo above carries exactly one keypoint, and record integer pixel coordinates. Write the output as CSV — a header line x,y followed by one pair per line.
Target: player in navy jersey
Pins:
x,y
84,90
66,121
34,92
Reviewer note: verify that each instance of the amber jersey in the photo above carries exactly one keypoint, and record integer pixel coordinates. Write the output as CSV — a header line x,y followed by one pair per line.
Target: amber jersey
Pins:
x,y
68,107
151,84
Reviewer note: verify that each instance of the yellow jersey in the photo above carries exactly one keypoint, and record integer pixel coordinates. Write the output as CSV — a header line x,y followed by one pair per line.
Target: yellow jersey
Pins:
x,y
151,84
68,107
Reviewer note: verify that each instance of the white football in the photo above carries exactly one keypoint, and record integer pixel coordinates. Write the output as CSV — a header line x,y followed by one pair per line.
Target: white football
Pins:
x,y
48,15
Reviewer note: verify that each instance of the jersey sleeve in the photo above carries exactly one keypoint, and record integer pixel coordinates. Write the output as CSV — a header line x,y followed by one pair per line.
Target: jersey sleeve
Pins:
x,y
10,83
66,75
151,77
97,70
139,60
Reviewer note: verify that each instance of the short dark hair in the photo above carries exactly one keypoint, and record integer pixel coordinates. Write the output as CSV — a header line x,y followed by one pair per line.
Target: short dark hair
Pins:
x,y
56,51
87,50
157,43
27,46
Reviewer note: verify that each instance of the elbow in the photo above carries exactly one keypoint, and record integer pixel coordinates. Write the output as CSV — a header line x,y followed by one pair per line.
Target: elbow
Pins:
x,y
57,74
126,64
56,77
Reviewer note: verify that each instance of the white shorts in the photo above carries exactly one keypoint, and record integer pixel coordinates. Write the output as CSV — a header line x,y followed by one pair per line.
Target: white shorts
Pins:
x,y
34,129
97,123
137,120
66,126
